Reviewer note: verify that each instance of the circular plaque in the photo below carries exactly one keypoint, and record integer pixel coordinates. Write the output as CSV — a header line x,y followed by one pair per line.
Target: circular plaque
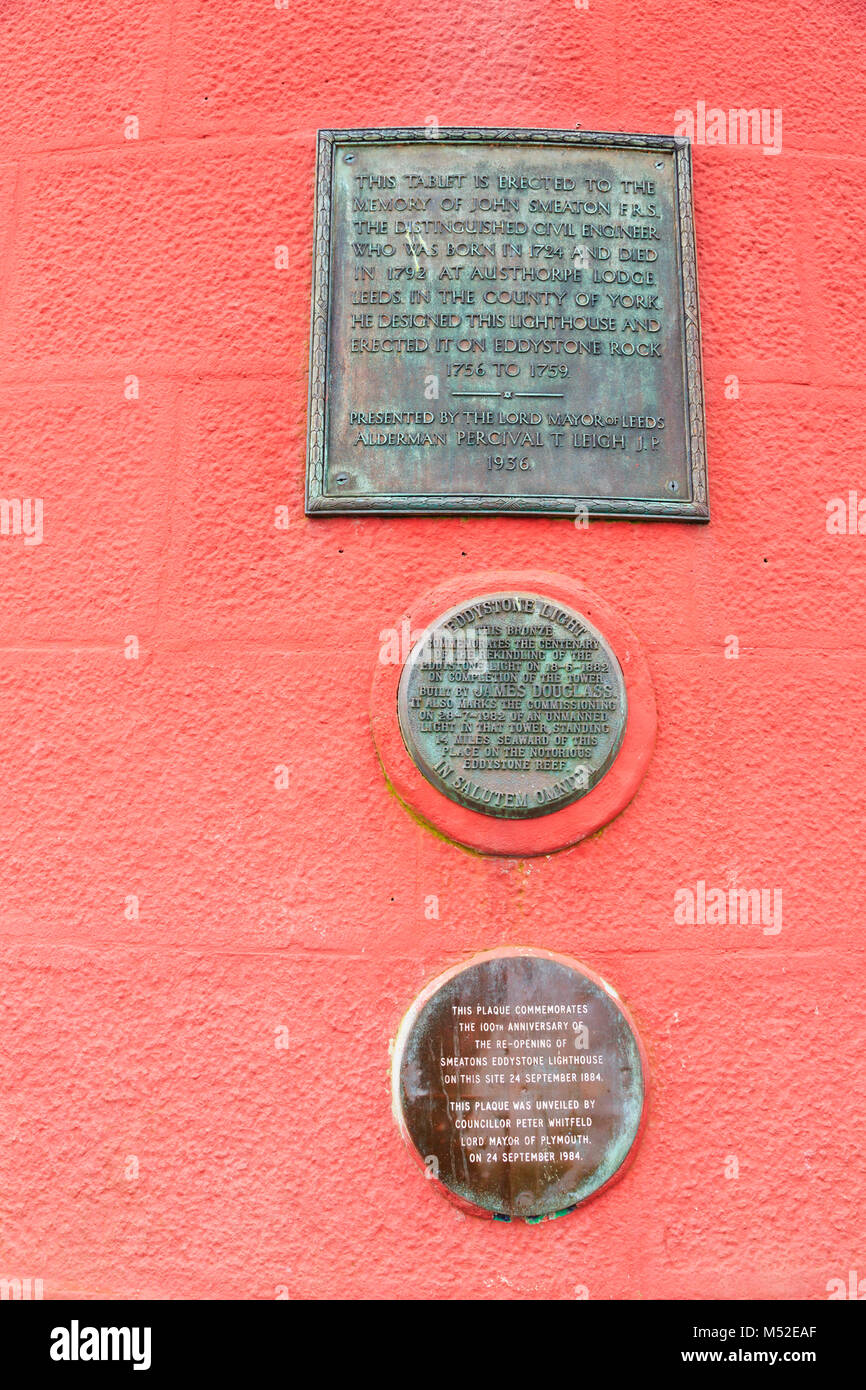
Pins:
x,y
570,753
520,1083
512,704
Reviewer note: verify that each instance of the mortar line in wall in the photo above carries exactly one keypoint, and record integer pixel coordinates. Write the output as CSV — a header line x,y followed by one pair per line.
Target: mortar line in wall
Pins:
x,y
243,135
46,377
169,142
332,953
275,647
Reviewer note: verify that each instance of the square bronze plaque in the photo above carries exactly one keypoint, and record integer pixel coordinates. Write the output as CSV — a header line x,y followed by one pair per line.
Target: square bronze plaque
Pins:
x,y
505,321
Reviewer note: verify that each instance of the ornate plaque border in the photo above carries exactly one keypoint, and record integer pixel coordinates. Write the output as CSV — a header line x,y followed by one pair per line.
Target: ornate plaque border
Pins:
x,y
696,508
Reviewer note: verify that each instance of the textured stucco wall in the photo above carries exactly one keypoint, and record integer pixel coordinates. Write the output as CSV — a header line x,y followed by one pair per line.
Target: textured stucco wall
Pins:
x,y
155,1140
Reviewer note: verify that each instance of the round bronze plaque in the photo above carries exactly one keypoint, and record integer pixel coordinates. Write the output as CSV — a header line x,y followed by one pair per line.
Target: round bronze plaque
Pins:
x,y
520,1083
513,705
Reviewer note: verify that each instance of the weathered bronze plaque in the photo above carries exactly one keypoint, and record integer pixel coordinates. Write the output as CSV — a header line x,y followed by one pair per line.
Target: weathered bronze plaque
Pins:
x,y
512,704
505,321
519,1081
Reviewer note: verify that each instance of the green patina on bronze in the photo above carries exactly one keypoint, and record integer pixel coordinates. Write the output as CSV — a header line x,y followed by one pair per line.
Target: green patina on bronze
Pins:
x,y
505,321
512,704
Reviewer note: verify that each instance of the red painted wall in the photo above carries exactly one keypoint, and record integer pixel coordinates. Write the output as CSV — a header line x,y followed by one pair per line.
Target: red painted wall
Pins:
x,y
155,1140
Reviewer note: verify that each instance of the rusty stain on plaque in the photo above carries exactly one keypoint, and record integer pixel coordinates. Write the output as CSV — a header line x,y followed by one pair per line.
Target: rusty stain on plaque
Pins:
x,y
512,704
505,321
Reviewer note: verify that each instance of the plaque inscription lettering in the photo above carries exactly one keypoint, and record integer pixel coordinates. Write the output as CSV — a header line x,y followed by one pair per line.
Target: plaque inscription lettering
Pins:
x,y
513,705
520,1083
505,321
